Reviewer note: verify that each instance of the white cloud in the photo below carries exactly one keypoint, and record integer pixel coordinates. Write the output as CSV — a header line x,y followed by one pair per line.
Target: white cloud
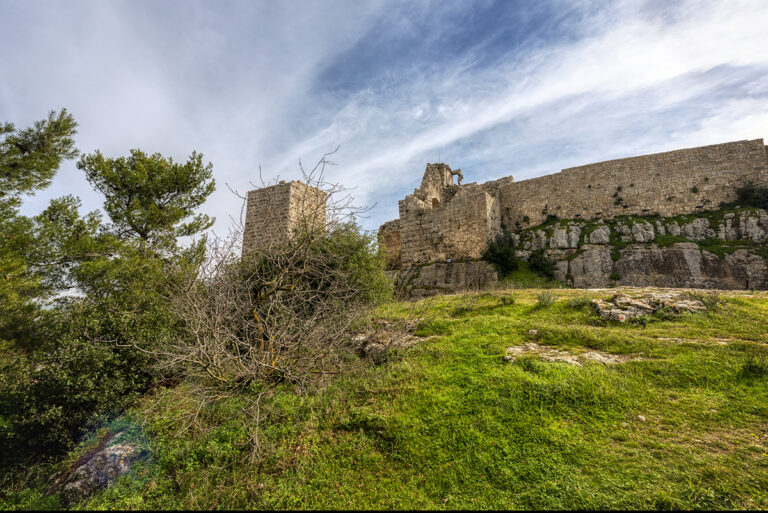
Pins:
x,y
238,83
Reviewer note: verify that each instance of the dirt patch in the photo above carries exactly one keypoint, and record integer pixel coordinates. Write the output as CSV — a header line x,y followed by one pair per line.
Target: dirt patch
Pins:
x,y
550,354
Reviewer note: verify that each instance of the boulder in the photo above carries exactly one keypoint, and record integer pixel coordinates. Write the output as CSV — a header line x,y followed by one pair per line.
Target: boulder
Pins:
x,y
643,232
750,227
445,278
601,235
97,469
698,229
574,234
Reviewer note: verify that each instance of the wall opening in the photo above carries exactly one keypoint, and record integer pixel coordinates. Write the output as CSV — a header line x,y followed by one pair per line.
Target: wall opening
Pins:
x,y
435,202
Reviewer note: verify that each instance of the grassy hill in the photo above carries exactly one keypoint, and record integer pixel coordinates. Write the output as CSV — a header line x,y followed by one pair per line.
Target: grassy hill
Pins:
x,y
450,424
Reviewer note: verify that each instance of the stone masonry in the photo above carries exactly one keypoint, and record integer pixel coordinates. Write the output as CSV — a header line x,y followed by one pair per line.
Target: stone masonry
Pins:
x,y
443,221
274,213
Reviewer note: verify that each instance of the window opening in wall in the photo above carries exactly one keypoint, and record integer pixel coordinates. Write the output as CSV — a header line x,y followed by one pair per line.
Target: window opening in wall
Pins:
x,y
435,202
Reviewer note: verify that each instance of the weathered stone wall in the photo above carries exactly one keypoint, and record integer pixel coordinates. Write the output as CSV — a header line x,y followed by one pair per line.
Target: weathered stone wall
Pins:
x,y
442,220
667,184
455,230
274,213
389,240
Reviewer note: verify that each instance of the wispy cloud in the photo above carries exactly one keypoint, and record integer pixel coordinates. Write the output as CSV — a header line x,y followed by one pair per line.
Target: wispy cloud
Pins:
x,y
496,88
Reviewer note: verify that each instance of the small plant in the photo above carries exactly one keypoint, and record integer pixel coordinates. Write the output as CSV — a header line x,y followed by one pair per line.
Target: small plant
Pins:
x,y
461,310
615,276
507,300
694,189
711,300
580,302
755,365
618,201
526,219
544,299
551,218
618,189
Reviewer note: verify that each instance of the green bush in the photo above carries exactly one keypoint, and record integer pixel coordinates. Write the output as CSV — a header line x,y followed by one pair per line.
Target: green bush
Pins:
x,y
541,265
752,195
501,253
48,400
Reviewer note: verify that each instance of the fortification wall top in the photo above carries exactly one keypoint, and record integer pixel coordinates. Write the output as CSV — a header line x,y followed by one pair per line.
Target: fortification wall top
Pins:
x,y
667,184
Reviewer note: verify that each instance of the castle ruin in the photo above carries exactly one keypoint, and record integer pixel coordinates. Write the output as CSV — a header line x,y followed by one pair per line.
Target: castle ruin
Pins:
x,y
665,219
275,213
442,221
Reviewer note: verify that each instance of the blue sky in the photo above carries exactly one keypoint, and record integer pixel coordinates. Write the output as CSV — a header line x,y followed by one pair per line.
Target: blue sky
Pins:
x,y
496,88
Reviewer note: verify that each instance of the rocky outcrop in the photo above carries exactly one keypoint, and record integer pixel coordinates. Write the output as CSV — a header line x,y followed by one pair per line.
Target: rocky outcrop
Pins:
x,y
444,278
97,469
622,307
720,249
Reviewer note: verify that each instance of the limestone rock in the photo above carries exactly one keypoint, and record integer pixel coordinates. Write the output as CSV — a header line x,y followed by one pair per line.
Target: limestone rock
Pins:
x,y
601,235
751,227
559,239
550,354
698,229
539,240
643,232
673,229
561,270
574,234
592,267
726,230
99,469
622,307
442,278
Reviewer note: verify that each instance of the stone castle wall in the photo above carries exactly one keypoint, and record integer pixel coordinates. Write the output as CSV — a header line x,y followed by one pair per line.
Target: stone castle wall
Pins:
x,y
457,229
442,220
668,184
274,213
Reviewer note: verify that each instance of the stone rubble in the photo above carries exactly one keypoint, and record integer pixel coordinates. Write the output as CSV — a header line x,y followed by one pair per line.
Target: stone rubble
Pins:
x,y
550,354
622,307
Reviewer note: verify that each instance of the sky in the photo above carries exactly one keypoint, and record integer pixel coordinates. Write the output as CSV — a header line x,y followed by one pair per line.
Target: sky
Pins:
x,y
496,88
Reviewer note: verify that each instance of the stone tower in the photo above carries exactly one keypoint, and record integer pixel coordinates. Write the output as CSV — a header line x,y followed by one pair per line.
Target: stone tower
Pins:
x,y
275,213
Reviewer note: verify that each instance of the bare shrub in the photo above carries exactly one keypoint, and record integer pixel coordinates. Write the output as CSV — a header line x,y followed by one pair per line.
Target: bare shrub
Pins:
x,y
281,313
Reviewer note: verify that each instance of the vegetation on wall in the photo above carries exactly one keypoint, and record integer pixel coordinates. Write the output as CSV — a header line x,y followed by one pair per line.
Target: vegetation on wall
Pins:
x,y
752,195
501,253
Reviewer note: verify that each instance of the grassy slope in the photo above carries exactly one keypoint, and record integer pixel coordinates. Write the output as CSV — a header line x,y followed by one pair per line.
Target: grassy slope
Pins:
x,y
450,425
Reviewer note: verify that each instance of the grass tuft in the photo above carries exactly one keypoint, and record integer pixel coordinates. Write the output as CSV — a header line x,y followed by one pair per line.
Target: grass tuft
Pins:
x,y
545,299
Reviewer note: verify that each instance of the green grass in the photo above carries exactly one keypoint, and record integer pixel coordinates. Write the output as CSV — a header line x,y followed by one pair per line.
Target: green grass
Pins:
x,y
450,425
